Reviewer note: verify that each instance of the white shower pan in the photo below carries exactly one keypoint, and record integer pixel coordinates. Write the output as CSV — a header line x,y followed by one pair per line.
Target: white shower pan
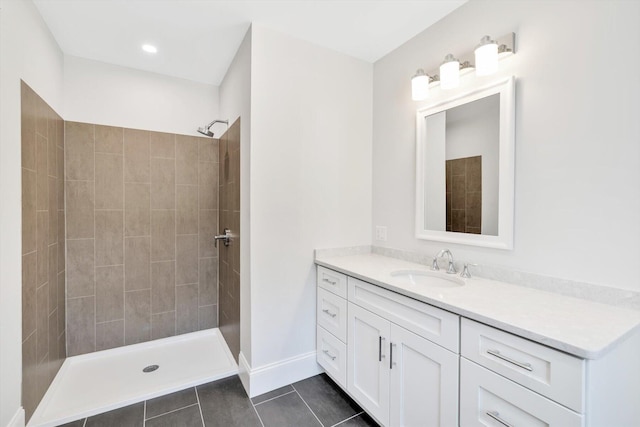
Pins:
x,y
97,382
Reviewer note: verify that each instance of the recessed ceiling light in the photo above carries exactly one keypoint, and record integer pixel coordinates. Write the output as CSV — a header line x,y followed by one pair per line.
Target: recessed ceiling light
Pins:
x,y
149,48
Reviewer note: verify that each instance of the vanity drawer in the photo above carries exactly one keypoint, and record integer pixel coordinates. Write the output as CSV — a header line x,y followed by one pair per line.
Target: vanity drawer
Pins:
x,y
436,325
487,399
549,372
332,356
332,314
332,281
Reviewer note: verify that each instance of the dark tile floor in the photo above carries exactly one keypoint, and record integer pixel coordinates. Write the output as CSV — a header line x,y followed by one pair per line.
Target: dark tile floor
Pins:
x,y
316,401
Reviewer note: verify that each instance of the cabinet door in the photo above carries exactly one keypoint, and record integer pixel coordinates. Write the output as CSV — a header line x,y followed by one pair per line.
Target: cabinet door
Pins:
x,y
424,381
368,363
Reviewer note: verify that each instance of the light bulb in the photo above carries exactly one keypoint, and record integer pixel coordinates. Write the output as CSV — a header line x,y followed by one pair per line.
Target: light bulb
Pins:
x,y
449,73
486,57
419,86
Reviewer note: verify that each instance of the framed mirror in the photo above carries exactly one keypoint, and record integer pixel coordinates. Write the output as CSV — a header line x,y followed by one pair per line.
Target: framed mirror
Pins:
x,y
465,168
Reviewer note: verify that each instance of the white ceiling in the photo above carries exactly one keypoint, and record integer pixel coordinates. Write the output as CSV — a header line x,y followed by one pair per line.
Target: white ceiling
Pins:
x,y
197,39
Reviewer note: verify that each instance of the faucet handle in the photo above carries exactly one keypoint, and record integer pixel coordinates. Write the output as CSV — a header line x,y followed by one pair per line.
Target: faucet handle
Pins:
x,y
465,270
434,264
451,269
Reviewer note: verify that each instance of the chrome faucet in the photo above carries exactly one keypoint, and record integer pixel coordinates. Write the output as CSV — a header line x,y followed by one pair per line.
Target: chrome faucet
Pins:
x,y
451,269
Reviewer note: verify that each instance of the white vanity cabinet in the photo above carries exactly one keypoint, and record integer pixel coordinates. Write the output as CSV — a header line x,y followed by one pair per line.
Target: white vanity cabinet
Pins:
x,y
411,364
396,356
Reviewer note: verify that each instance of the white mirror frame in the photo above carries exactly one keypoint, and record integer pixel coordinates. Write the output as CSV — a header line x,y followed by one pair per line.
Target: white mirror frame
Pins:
x,y
506,162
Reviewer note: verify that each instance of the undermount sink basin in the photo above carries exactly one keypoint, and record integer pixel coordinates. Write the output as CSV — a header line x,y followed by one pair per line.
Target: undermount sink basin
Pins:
x,y
427,278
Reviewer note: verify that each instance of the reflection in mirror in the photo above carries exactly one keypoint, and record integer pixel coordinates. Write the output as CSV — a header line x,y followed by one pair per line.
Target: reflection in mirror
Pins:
x,y
469,133
464,180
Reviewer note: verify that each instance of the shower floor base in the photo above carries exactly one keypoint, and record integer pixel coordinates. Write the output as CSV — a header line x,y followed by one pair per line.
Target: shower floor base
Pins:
x,y
93,383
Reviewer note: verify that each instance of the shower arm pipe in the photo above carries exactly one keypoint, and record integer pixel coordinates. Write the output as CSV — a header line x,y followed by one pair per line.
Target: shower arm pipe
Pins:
x,y
226,122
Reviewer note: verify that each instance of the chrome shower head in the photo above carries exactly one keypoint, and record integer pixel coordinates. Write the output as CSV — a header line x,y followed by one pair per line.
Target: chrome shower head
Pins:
x,y
206,131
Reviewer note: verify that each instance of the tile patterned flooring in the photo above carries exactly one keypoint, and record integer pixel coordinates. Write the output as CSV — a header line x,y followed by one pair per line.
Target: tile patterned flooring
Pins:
x,y
316,402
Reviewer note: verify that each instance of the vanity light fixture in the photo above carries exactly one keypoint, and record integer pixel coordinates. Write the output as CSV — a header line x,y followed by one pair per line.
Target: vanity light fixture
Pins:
x,y
486,55
420,85
449,72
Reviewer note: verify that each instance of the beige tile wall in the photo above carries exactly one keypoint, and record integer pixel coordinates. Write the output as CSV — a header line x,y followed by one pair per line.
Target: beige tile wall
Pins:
x,y
43,247
141,214
229,275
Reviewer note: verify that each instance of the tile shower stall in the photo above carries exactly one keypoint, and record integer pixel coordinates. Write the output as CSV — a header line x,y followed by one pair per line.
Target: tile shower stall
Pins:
x,y
140,210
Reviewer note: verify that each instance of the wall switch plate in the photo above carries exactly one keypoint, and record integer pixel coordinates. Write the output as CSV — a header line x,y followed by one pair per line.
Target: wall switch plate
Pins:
x,y
381,233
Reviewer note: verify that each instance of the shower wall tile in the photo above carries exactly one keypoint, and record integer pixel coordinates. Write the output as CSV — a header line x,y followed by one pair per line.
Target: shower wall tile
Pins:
x,y
109,139
28,211
186,259
80,209
138,263
109,186
42,246
109,293
208,289
109,238
80,268
163,183
208,317
208,150
186,160
163,235
137,317
79,151
134,230
42,320
109,335
162,145
163,287
208,185
53,210
42,178
43,217
30,396
28,294
81,329
137,209
136,155
187,209
208,228
163,325
53,278
186,309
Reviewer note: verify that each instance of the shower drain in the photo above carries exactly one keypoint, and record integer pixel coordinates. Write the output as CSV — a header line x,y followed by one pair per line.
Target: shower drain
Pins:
x,y
150,368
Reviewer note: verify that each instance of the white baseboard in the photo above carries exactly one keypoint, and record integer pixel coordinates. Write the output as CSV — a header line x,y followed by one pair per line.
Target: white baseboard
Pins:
x,y
275,375
18,419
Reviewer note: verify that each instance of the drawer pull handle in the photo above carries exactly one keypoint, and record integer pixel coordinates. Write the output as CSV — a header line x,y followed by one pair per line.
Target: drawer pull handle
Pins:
x,y
331,282
391,362
326,310
380,355
496,353
329,354
496,416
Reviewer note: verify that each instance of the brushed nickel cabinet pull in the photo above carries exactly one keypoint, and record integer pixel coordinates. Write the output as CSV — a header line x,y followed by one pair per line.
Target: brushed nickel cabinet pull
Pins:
x,y
326,310
496,416
496,353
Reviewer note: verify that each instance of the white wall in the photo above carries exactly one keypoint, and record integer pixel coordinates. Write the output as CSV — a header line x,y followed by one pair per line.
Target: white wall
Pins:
x,y
96,92
235,102
310,181
28,52
577,132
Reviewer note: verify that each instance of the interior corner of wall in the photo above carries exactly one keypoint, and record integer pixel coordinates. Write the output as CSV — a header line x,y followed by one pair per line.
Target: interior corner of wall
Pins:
x,y
18,419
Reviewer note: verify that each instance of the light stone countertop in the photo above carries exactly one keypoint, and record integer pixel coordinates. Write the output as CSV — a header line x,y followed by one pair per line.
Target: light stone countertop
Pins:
x,y
576,326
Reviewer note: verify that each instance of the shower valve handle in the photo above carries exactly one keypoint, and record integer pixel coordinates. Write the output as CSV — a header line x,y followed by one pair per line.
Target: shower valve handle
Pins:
x,y
226,238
